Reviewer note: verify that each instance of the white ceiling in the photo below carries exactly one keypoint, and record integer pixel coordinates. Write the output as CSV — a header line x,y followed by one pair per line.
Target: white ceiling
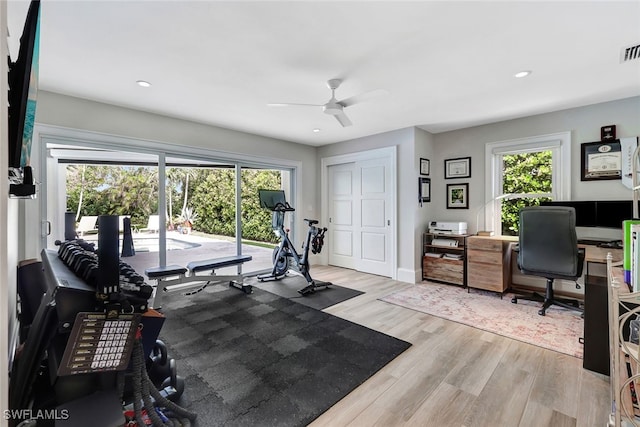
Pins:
x,y
444,64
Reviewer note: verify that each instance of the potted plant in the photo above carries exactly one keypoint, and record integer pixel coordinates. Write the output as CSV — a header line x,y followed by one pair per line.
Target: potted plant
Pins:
x,y
188,217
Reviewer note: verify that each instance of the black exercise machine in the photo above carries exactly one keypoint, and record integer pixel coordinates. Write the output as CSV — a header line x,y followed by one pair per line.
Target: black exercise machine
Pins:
x,y
285,256
84,344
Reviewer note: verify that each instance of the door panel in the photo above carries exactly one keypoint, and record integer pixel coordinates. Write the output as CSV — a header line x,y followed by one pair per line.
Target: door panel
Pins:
x,y
374,223
373,247
373,180
343,243
359,217
342,212
341,216
373,213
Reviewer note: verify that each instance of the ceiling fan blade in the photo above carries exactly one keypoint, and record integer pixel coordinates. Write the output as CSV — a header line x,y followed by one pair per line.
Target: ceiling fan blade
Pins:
x,y
363,97
288,104
343,119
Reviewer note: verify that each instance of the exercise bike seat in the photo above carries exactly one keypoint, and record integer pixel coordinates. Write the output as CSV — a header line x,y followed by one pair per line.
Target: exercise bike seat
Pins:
x,y
311,221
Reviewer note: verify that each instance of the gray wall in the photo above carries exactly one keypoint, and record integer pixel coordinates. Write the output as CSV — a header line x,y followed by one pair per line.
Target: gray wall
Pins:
x,y
65,111
584,124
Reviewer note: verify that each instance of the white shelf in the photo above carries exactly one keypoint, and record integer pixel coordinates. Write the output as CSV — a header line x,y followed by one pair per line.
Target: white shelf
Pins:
x,y
620,300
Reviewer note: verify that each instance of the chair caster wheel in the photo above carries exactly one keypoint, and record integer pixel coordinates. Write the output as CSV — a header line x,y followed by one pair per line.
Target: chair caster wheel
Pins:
x,y
541,312
514,300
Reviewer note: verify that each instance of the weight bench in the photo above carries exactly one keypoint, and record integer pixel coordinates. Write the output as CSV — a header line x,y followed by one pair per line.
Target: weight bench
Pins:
x,y
173,278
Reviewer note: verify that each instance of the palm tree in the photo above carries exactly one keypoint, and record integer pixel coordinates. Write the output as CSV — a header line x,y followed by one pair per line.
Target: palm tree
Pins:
x,y
174,178
84,168
188,172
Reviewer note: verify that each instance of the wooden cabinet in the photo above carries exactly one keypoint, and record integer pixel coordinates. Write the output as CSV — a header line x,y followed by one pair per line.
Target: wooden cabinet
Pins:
x,y
444,258
489,263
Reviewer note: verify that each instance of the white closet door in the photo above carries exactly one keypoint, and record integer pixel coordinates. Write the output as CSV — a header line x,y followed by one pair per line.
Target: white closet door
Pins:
x,y
373,248
359,216
341,215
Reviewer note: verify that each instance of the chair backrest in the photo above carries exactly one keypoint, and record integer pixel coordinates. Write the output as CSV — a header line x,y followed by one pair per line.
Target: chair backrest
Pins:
x,y
87,223
548,242
153,223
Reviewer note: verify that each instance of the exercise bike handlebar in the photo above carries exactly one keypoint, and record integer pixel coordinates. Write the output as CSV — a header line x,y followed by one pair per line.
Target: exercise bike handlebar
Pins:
x,y
283,207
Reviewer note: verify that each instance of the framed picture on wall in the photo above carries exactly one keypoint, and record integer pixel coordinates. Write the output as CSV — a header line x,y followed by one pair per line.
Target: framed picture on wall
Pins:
x,y
601,160
458,196
425,166
457,168
424,190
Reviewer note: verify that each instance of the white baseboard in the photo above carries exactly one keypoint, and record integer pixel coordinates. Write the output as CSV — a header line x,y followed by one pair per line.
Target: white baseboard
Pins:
x,y
409,276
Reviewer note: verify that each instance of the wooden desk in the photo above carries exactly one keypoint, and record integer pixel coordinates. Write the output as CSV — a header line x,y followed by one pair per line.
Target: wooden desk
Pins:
x,y
492,266
599,255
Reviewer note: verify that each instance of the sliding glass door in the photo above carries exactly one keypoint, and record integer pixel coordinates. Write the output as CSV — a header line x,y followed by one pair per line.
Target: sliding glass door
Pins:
x,y
206,209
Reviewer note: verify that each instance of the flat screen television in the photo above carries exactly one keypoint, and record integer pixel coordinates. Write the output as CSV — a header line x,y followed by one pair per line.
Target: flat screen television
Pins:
x,y
23,89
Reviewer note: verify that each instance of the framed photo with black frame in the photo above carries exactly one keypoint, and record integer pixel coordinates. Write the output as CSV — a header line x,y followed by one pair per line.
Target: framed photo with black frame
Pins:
x,y
425,166
424,190
601,160
457,168
458,196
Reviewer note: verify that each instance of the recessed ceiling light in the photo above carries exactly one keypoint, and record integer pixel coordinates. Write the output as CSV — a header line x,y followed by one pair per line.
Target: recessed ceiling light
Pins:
x,y
522,74
316,130
143,83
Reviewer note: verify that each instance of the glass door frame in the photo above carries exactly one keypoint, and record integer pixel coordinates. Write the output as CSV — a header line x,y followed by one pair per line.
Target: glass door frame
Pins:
x,y
52,135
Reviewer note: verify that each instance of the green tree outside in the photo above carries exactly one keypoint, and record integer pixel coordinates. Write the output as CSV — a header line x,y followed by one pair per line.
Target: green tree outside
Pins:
x,y
123,190
523,173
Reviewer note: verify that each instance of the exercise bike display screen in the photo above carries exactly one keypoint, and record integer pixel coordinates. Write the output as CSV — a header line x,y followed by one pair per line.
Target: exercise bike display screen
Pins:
x,y
271,198
99,344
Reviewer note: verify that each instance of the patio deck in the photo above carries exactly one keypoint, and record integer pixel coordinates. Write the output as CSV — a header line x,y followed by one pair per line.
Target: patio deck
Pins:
x,y
207,248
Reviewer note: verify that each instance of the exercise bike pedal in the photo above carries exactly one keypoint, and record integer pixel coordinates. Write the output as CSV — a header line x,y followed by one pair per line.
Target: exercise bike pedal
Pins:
x,y
311,289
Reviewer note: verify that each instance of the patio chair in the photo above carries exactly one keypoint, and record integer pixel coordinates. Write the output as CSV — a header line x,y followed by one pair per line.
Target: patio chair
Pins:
x,y
153,224
87,224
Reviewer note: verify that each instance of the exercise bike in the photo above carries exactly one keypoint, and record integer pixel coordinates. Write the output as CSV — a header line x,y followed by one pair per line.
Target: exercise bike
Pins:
x,y
285,257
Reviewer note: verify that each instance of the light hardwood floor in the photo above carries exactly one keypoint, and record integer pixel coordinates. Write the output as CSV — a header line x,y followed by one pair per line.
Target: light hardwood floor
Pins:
x,y
456,375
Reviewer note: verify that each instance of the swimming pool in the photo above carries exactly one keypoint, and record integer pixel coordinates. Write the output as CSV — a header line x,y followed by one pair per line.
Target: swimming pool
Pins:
x,y
152,244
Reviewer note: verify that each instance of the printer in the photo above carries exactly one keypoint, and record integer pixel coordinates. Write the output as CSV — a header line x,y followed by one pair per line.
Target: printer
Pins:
x,y
448,227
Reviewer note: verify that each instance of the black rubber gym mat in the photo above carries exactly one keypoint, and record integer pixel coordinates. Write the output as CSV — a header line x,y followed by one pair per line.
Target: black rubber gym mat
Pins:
x,y
264,360
322,298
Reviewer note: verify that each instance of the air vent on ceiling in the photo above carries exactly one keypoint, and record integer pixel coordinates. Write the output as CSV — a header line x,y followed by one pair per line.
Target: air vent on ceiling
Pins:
x,y
630,53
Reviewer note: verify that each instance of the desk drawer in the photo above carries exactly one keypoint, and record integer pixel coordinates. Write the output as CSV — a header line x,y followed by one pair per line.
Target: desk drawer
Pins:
x,y
484,244
486,276
484,257
446,270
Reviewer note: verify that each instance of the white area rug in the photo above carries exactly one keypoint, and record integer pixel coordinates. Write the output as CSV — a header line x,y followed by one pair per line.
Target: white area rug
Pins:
x,y
559,330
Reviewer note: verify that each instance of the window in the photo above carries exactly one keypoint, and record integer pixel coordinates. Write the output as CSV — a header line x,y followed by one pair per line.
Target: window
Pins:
x,y
524,172
119,164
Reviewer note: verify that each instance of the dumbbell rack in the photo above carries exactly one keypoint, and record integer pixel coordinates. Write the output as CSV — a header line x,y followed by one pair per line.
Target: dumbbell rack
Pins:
x,y
82,280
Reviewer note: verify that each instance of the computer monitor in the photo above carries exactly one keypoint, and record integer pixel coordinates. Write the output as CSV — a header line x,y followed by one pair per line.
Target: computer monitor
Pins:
x,y
598,213
585,211
611,213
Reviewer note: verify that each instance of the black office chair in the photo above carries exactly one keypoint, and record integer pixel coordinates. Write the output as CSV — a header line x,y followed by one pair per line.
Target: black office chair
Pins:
x,y
548,247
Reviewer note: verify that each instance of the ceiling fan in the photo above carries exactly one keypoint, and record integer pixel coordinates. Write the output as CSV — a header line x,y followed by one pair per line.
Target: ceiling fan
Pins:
x,y
334,107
